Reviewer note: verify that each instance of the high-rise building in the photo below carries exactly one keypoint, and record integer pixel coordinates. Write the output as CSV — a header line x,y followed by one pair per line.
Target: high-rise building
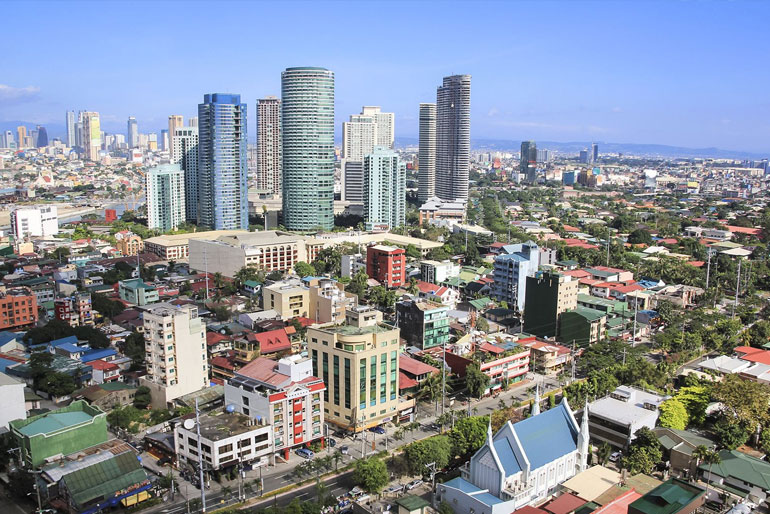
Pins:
x,y
69,123
175,121
21,136
193,122
92,135
358,137
7,140
548,295
353,172
384,190
427,153
307,96
164,188
40,221
269,160
79,130
42,137
186,155
543,155
594,152
584,156
453,137
512,268
176,352
164,141
528,161
385,125
132,132
222,167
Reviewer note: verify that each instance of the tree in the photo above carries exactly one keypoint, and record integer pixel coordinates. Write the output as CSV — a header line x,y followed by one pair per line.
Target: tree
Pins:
x,y
476,381
431,388
436,449
644,452
468,435
730,433
133,347
482,324
371,474
413,252
303,269
639,236
142,398
706,456
39,366
745,400
673,414
222,313
603,453
445,508
358,284
105,306
58,384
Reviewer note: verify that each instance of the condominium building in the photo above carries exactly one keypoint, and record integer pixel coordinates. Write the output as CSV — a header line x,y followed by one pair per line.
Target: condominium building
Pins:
x,y
175,121
21,134
547,296
18,308
384,190
42,221
285,395
426,173
269,150
135,291
359,135
185,147
453,137
436,272
439,212
175,341
353,181
307,96
384,123
359,365
128,243
528,161
222,166
132,132
425,324
75,310
289,298
69,124
329,301
386,264
164,188
91,135
511,271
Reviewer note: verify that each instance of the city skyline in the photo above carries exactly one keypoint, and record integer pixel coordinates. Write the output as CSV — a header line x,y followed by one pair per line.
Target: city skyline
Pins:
x,y
581,86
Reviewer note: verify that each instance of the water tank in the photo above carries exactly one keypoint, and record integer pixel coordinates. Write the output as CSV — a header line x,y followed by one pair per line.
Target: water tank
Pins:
x,y
230,408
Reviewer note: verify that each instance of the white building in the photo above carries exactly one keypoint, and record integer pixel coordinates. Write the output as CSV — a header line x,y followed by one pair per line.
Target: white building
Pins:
x,y
436,272
175,340
269,151
615,418
351,264
185,145
42,221
384,190
164,187
11,401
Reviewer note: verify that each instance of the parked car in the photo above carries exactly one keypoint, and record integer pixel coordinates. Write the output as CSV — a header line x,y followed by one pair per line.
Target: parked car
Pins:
x,y
377,430
396,488
164,460
305,453
414,484
615,456
332,442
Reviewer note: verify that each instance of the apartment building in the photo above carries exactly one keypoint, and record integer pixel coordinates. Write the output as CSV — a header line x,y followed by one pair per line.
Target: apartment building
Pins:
x,y
289,298
329,301
18,308
548,295
76,310
425,324
387,265
128,243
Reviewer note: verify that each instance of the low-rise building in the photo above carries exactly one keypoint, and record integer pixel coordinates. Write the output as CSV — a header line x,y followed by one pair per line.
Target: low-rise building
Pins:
x,y
582,326
288,297
328,301
678,447
440,212
424,324
176,247
137,292
18,308
674,496
12,403
386,265
437,272
615,418
740,474
128,243
547,358
108,395
75,310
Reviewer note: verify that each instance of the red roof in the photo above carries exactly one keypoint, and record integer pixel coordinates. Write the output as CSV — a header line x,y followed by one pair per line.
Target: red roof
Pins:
x,y
103,365
273,341
427,287
697,264
213,338
498,244
577,243
623,289
745,230
305,322
489,347
620,504
577,273
570,228
528,509
668,241
413,366
223,363
404,382
751,354
564,504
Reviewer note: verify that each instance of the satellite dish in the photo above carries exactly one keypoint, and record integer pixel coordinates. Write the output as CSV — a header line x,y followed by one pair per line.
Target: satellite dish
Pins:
x,y
189,424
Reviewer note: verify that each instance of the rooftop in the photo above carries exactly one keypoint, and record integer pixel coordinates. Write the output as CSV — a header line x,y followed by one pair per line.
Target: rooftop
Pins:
x,y
626,405
215,426
351,330
668,498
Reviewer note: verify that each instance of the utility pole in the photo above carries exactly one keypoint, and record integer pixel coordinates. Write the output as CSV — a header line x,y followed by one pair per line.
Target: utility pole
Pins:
x,y
636,310
206,265
608,246
737,287
443,380
708,270
200,457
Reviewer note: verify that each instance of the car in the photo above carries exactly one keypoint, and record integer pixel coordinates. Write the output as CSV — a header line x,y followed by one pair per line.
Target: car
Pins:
x,y
396,488
332,442
355,492
344,450
434,426
164,460
615,456
414,484
305,453
377,430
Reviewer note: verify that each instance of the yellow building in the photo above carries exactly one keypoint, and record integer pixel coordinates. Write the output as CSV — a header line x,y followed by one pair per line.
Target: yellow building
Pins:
x,y
128,243
288,297
359,365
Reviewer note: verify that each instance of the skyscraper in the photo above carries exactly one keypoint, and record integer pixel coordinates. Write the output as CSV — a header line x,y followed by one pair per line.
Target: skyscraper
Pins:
x,y
92,135
21,136
42,137
453,137
426,173
528,161
175,121
359,136
269,161
164,187
594,152
164,141
193,122
79,130
69,124
307,96
222,167
384,123
384,189
186,152
132,132
7,139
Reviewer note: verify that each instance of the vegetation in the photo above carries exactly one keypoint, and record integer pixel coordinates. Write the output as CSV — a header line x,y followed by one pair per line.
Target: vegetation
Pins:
x,y
371,474
476,380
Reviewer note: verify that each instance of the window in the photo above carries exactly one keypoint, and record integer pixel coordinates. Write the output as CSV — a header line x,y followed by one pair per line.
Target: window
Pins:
x,y
225,449
336,380
348,379
245,400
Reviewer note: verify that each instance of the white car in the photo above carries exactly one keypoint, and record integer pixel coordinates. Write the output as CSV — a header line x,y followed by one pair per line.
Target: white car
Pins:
x,y
413,484
615,456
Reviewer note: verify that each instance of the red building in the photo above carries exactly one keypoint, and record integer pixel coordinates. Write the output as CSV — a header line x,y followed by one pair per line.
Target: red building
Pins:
x,y
18,308
386,265
110,215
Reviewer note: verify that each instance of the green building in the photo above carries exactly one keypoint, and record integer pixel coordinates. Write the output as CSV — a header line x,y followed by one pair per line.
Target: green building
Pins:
x,y
671,497
607,306
582,326
60,432
423,324
547,296
136,291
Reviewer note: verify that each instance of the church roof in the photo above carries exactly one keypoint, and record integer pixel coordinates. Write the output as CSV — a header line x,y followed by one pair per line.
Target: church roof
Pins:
x,y
547,436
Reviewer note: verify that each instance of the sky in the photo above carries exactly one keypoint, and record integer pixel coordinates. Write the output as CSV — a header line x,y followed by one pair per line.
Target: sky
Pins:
x,y
687,73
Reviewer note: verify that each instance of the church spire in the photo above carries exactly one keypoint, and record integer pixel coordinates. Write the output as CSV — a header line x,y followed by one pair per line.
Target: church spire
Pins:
x,y
536,404
583,439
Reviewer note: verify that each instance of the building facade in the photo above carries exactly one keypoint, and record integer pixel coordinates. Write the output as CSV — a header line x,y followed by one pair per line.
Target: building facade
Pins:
x,y
91,135
75,310
387,265
426,173
288,298
175,121
132,132
137,292
384,190
528,161
424,324
128,243
18,308
329,301
548,295
164,188
511,271
185,146
42,221
269,146
453,137
307,96
69,124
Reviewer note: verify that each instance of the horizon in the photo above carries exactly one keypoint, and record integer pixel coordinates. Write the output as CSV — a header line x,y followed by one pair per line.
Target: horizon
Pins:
x,y
572,74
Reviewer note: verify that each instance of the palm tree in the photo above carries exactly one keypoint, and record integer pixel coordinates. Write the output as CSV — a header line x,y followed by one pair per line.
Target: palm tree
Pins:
x,y
431,388
604,453
337,456
707,456
412,288
218,280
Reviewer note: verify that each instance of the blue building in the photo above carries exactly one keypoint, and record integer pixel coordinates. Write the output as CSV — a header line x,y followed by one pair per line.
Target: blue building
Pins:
x,y
568,178
222,170
512,267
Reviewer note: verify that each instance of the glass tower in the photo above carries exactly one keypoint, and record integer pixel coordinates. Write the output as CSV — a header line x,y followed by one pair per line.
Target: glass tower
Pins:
x,y
453,137
222,166
307,107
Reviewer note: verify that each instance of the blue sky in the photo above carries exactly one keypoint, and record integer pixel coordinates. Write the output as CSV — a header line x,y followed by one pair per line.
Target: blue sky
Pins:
x,y
682,73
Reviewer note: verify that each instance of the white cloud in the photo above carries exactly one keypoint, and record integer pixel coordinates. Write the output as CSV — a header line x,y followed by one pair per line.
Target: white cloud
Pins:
x,y
17,95
492,112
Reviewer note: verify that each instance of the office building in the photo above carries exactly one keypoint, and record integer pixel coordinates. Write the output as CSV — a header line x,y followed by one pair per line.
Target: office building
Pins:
x,y
185,143
594,153
164,187
92,135
547,296
426,173
453,137
75,310
284,395
423,323
583,157
175,121
7,140
528,161
176,352
41,221
384,190
269,147
132,132
69,126
353,178
512,267
21,136
387,265
359,365
615,418
222,167
42,137
307,96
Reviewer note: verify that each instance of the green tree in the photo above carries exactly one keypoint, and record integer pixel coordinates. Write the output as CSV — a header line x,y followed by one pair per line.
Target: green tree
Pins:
x,y
482,324
142,398
644,452
436,449
468,435
303,269
705,455
603,453
745,400
639,236
476,381
58,384
413,252
359,284
105,306
371,474
445,508
730,433
431,388
673,414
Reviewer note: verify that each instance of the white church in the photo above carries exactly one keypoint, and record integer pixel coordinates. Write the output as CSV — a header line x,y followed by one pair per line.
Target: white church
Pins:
x,y
522,464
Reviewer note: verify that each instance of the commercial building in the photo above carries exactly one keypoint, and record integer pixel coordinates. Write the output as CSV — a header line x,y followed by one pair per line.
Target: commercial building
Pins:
x,y
91,135
528,161
128,243
175,121
59,432
615,418
132,131
75,310
164,188
177,246
289,298
12,404
185,146
359,136
426,157
384,125
424,324
386,264
453,137
512,267
436,272
384,190
18,308
438,212
269,145
582,326
353,174
69,125
137,292
328,301
307,96
359,365
227,440
222,166
284,395
42,221
547,296
176,352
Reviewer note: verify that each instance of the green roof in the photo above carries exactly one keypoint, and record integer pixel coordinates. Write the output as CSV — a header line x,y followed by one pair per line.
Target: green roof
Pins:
x,y
412,502
589,314
480,303
668,498
104,479
54,422
115,386
743,467
251,283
